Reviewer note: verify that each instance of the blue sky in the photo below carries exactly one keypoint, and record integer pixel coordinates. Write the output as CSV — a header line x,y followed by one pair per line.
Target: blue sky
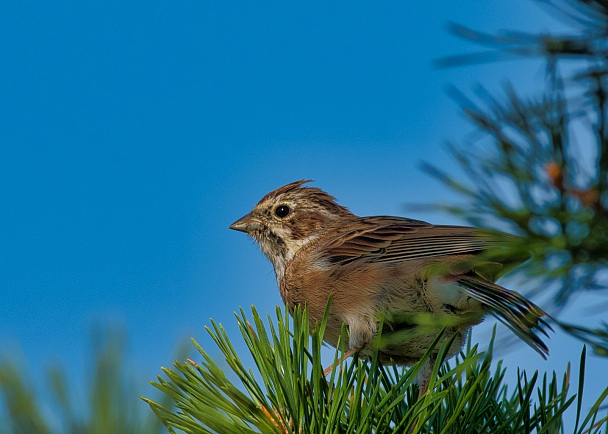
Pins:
x,y
133,133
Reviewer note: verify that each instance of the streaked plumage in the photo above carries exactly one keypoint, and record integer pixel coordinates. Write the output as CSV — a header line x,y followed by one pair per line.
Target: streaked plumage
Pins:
x,y
393,270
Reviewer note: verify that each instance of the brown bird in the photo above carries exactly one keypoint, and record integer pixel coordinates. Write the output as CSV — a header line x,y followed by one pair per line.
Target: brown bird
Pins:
x,y
413,277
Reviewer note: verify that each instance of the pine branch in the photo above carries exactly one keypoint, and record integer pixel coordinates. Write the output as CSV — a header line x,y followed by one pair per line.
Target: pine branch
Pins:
x,y
287,392
529,170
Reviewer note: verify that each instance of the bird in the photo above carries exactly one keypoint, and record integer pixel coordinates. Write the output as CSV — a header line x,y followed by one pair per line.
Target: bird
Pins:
x,y
409,277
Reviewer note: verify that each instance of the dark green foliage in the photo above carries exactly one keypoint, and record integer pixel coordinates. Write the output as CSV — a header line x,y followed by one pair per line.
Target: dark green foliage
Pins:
x,y
287,393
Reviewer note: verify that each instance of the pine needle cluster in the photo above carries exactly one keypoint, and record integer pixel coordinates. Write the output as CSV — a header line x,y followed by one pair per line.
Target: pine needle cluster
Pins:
x,y
288,393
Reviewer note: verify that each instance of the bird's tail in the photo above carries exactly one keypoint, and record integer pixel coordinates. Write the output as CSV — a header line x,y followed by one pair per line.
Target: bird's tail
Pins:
x,y
522,316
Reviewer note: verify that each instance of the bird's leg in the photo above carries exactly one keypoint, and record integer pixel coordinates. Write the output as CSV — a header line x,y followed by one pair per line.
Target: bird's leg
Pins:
x,y
345,356
424,386
424,375
423,379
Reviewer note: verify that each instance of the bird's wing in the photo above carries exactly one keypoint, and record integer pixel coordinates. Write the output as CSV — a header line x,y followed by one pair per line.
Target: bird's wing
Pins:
x,y
392,239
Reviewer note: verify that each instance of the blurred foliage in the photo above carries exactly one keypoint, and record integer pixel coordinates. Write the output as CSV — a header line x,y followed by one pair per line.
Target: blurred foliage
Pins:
x,y
112,405
288,392
537,166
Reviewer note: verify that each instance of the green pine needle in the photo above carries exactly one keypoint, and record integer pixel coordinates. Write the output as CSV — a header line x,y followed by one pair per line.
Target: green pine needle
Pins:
x,y
287,392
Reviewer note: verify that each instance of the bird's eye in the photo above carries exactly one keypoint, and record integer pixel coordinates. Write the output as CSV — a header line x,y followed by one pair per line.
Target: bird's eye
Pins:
x,y
282,211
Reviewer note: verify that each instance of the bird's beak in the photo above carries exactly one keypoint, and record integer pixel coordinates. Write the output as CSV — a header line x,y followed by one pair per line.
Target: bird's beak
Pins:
x,y
245,224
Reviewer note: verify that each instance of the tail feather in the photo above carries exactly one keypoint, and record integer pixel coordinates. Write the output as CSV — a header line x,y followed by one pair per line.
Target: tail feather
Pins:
x,y
520,315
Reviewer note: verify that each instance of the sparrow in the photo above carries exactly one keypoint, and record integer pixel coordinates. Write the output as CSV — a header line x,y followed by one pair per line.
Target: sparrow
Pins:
x,y
407,276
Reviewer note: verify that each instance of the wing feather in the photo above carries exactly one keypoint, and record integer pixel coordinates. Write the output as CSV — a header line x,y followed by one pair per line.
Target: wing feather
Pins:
x,y
392,239
522,316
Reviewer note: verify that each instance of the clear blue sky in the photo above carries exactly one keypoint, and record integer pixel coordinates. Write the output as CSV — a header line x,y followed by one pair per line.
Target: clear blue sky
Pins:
x,y
133,133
